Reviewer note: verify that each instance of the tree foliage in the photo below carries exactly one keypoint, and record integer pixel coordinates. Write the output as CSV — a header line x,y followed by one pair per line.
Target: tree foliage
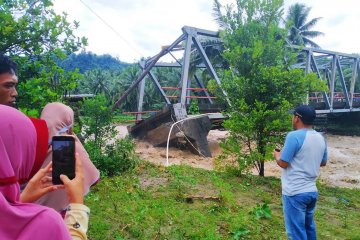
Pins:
x,y
300,32
86,61
97,81
110,83
97,121
260,84
37,38
110,156
115,158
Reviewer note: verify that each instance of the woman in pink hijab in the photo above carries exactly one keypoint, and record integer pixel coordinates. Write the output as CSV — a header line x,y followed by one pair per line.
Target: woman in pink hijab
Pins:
x,y
60,119
20,220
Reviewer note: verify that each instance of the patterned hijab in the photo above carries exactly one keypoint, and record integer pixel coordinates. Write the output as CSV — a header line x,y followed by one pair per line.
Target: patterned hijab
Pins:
x,y
17,155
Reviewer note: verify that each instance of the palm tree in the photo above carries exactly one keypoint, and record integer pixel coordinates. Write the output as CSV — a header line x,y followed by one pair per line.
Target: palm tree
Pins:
x,y
299,29
123,82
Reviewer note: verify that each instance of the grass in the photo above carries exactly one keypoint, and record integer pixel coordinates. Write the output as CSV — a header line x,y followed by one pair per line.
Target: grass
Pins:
x,y
127,118
123,118
166,203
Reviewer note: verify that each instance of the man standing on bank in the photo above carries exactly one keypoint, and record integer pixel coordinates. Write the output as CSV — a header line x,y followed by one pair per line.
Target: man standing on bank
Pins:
x,y
304,152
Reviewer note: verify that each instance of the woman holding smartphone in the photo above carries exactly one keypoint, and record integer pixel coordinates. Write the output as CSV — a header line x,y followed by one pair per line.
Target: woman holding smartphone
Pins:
x,y
59,119
18,218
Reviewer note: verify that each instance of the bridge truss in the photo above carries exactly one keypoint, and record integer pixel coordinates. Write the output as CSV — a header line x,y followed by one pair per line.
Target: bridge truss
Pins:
x,y
339,70
341,73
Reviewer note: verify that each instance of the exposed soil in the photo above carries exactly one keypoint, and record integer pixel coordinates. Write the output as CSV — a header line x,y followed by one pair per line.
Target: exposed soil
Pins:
x,y
342,170
152,181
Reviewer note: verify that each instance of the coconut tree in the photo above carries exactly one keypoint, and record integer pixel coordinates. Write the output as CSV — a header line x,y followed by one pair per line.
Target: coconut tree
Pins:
x,y
300,32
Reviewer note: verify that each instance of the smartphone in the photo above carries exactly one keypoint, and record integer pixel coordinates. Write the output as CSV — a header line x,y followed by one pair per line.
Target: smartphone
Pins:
x,y
63,155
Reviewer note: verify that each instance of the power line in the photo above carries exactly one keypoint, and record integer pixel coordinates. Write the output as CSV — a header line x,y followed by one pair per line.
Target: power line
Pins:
x,y
111,28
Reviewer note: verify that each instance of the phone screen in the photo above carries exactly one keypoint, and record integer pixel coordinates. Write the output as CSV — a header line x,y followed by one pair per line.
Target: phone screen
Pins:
x,y
63,148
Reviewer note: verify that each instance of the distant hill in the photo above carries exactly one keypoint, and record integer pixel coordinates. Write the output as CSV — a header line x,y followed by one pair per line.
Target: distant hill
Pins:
x,y
85,61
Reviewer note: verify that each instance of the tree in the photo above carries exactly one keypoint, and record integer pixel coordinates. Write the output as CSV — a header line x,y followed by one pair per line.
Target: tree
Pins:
x,y
97,118
260,84
112,83
37,38
96,81
123,82
300,32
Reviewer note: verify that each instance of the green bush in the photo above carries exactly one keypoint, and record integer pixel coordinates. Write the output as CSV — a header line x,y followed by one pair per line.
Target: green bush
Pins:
x,y
194,107
96,117
114,158
110,158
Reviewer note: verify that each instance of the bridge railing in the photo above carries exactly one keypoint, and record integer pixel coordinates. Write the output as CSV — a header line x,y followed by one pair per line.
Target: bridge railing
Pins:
x,y
338,97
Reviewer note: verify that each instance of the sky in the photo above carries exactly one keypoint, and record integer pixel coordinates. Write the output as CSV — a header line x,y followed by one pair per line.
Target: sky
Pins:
x,y
138,28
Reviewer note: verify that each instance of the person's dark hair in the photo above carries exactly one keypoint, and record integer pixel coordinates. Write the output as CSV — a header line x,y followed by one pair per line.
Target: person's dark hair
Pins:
x,y
7,65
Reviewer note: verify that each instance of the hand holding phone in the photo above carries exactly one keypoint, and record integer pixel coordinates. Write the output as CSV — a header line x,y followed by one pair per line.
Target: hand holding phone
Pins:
x,y
75,187
63,154
276,153
39,185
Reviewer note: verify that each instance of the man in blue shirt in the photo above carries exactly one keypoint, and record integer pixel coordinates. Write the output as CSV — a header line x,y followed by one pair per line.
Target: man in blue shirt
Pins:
x,y
304,152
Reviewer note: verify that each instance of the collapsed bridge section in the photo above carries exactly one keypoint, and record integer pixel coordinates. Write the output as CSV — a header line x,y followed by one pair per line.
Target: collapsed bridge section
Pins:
x,y
188,53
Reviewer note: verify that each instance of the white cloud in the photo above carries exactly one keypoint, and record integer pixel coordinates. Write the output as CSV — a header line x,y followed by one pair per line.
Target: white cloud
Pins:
x,y
147,25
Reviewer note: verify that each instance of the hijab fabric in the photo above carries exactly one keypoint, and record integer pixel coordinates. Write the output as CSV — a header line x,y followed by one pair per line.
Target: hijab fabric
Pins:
x,y
41,144
59,116
17,154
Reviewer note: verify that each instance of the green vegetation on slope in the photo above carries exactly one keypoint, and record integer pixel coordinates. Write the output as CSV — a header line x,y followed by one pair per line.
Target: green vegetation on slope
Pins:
x,y
181,202
86,61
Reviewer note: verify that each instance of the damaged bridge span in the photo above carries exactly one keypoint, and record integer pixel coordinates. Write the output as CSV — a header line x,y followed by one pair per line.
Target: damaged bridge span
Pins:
x,y
189,54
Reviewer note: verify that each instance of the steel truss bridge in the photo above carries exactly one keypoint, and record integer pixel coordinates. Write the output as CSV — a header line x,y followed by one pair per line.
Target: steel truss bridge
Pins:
x,y
339,70
331,66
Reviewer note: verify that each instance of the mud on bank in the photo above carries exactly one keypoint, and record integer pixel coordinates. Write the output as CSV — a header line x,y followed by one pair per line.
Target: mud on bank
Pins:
x,y
342,170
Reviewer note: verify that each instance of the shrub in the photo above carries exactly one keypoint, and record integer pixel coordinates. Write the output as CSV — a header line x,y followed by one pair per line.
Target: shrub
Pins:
x,y
96,118
114,158
194,107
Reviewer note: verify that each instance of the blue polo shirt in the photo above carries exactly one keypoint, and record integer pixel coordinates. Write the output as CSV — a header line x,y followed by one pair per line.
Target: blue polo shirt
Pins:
x,y
304,150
